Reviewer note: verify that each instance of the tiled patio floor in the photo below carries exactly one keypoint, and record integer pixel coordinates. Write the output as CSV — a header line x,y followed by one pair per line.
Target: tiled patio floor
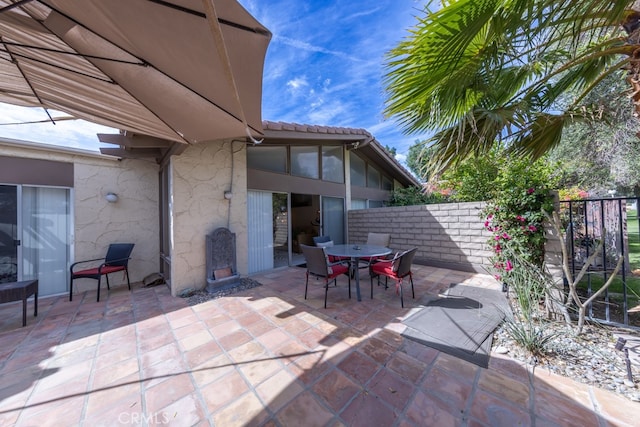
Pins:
x,y
268,357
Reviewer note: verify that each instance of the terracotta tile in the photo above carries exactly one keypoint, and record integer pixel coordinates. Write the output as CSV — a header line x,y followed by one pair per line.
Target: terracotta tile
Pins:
x,y
427,410
290,351
234,339
309,367
160,354
50,414
454,390
257,371
392,389
225,328
407,367
288,364
359,367
312,338
296,326
126,410
247,410
279,390
182,318
115,372
457,367
212,369
195,340
505,365
377,350
563,410
563,387
167,392
614,408
494,411
274,338
223,390
336,389
186,411
201,354
152,341
61,376
505,387
127,392
249,319
304,407
189,330
368,410
259,328
160,372
419,352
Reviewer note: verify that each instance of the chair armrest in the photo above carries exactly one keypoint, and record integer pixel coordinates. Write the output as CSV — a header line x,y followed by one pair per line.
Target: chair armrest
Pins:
x,y
84,261
341,262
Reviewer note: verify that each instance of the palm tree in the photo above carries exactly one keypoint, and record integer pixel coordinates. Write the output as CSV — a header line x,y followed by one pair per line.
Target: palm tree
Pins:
x,y
474,73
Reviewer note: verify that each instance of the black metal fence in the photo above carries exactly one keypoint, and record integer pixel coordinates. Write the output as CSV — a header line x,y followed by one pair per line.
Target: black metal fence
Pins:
x,y
613,222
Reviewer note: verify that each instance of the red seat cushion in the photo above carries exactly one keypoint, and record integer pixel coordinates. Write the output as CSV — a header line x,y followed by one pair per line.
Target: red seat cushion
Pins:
x,y
384,267
105,270
337,270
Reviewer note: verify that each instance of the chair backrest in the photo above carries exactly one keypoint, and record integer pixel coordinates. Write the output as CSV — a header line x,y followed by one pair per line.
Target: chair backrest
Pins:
x,y
316,258
379,239
321,239
118,254
404,262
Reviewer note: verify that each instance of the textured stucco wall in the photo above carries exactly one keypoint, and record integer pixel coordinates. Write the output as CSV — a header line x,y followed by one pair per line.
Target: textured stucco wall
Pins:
x,y
134,218
97,223
450,235
199,178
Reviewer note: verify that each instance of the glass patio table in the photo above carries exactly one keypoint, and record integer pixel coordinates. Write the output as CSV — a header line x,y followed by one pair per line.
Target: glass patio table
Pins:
x,y
355,252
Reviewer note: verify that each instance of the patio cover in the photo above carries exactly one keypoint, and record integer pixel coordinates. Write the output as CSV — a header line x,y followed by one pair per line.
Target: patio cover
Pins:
x,y
179,70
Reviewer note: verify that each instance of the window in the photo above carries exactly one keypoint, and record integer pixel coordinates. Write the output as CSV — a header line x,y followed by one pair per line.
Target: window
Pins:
x,y
304,162
387,183
358,171
358,204
376,204
272,159
332,164
373,177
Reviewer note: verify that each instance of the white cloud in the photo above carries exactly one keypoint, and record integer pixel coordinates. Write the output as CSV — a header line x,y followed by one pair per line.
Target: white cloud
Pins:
x,y
71,133
362,14
297,84
327,113
300,44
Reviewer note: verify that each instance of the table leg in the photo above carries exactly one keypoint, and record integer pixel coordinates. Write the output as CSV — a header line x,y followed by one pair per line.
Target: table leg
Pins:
x,y
24,311
354,262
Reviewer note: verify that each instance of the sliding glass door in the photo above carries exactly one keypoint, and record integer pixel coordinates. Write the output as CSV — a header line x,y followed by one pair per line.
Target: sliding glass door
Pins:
x,y
46,230
260,230
8,233
35,236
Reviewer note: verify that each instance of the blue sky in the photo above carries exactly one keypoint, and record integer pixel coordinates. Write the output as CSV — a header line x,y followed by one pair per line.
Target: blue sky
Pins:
x,y
324,66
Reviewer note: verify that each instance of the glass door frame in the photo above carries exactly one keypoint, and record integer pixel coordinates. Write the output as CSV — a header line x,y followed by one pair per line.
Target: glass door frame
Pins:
x,y
16,229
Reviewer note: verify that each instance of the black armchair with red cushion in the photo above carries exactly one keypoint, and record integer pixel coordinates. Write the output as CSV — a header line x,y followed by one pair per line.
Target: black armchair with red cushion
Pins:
x,y
397,269
117,259
318,265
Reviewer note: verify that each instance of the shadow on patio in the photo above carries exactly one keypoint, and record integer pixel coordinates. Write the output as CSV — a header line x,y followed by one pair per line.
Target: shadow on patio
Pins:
x,y
268,357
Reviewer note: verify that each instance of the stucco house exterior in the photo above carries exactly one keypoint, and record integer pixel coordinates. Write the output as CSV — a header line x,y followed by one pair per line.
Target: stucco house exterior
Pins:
x,y
274,194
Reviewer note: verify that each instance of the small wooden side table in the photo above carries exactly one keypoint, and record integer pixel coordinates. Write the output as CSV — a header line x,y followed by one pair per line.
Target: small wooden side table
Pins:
x,y
16,291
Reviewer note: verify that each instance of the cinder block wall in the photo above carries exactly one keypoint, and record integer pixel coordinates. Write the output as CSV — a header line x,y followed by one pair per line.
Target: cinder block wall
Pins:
x,y
450,235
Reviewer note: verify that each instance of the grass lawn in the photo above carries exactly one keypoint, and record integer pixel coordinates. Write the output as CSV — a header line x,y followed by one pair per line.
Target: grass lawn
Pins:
x,y
633,282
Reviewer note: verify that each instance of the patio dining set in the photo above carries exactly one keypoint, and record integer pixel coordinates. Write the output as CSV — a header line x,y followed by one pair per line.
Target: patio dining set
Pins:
x,y
328,261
